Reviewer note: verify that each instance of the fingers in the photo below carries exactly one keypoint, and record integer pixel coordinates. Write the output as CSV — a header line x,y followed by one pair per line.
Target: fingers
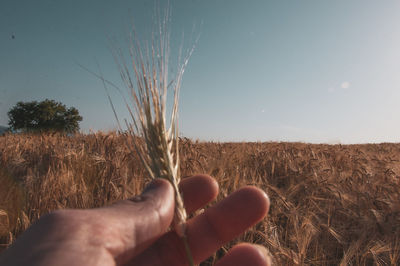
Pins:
x,y
226,220
246,254
210,230
142,219
197,191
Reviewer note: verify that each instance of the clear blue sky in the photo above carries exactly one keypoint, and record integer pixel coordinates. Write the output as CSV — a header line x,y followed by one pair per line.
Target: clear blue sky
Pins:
x,y
304,70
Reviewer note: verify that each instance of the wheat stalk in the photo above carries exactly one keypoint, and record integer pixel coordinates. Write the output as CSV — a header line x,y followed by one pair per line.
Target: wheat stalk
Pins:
x,y
156,144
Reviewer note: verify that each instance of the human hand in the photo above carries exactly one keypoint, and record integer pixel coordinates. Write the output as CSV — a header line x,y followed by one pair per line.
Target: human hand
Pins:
x,y
135,231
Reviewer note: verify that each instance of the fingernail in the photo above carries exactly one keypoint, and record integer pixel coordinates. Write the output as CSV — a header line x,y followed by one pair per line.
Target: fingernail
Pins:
x,y
265,253
152,186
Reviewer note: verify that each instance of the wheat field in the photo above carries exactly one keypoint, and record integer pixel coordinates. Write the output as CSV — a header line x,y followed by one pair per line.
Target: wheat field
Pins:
x,y
330,204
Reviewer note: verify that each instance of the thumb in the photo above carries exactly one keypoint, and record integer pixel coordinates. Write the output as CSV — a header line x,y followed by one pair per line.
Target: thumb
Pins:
x,y
137,222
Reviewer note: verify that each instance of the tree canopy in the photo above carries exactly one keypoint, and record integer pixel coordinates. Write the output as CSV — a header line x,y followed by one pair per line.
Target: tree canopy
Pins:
x,y
44,116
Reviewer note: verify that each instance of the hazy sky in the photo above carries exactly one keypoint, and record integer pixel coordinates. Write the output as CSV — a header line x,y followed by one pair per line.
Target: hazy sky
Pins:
x,y
300,70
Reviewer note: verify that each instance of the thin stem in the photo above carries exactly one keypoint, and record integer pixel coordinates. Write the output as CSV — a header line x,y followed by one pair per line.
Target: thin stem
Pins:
x,y
187,249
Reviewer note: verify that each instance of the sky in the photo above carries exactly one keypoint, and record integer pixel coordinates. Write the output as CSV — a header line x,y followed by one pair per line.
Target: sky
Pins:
x,y
316,71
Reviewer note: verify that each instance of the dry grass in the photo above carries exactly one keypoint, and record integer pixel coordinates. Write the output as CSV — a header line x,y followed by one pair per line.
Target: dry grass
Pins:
x,y
330,205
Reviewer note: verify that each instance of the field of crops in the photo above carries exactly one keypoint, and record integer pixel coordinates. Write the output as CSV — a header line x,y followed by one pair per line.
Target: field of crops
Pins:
x,y
330,204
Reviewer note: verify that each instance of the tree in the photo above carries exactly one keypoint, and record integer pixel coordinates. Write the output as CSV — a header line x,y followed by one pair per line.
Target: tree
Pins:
x,y
44,116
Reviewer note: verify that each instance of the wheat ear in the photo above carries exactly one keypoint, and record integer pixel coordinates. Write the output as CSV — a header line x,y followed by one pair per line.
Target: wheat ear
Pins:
x,y
156,144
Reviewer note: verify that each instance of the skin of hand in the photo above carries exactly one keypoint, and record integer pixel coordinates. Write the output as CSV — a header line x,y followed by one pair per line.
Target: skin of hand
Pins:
x,y
136,231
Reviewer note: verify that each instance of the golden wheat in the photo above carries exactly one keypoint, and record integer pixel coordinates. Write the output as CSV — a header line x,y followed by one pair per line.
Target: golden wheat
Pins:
x,y
332,204
156,144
